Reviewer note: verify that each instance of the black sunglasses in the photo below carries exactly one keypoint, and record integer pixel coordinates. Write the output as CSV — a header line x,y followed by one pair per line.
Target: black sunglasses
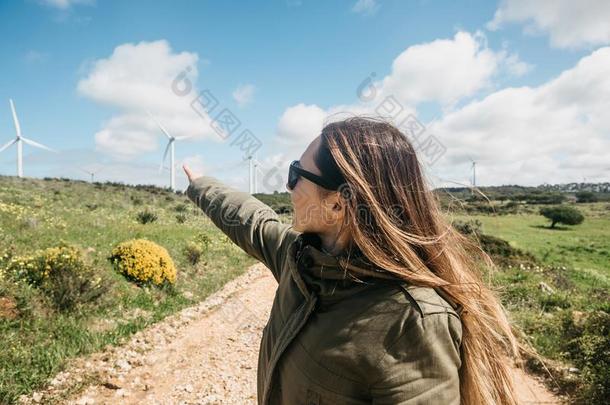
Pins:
x,y
296,171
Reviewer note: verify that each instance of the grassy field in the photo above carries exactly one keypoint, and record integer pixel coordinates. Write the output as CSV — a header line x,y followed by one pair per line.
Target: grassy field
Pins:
x,y
561,302
568,322
37,214
584,247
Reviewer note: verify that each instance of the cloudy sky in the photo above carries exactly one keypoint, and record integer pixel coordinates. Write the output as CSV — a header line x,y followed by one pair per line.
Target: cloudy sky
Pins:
x,y
520,87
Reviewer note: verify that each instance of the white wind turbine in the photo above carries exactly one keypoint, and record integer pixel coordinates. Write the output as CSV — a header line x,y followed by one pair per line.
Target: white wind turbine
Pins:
x,y
170,146
91,173
20,139
253,168
474,172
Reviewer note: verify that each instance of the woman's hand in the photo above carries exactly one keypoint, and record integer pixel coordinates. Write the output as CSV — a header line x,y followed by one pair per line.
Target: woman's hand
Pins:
x,y
191,176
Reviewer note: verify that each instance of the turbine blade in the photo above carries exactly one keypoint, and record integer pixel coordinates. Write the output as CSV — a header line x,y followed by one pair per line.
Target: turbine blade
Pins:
x,y
169,144
8,144
38,145
159,124
15,119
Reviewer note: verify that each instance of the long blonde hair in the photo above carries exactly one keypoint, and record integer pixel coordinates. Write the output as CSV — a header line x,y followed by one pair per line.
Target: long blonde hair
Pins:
x,y
397,224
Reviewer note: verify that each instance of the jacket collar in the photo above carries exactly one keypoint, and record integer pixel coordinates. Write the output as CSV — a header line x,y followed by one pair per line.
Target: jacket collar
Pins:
x,y
324,274
321,273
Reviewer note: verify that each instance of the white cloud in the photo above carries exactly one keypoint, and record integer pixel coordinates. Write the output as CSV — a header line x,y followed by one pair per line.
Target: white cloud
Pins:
x,y
556,132
127,135
515,66
447,70
65,4
365,7
300,123
244,94
570,24
137,78
443,71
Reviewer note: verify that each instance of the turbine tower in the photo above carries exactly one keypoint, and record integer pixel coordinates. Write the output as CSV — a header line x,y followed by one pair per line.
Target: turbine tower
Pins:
x,y
168,148
474,173
19,139
253,167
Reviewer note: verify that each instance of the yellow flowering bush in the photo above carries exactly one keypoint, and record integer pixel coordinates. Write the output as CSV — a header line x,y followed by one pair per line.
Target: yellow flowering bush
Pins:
x,y
37,267
61,274
144,262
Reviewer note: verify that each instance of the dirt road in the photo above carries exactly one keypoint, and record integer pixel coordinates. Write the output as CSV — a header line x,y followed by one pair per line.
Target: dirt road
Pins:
x,y
204,355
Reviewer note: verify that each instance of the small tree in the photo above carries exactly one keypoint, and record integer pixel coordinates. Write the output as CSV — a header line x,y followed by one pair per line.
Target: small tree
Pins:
x,y
562,215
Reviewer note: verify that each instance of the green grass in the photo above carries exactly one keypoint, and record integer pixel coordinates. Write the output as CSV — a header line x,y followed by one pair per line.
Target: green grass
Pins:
x,y
575,263
36,214
584,247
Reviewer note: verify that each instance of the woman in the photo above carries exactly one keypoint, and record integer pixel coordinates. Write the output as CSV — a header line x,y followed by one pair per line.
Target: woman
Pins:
x,y
379,299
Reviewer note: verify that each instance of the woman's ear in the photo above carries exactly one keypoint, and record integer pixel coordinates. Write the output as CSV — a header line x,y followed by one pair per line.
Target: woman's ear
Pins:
x,y
332,204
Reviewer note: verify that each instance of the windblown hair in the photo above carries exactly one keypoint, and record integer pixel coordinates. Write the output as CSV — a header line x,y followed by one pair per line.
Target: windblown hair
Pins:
x,y
396,222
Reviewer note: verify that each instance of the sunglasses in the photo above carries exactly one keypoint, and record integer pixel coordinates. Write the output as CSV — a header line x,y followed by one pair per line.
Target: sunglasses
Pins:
x,y
296,171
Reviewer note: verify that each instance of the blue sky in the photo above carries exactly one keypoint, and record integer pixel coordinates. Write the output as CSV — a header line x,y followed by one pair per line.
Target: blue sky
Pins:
x,y
262,60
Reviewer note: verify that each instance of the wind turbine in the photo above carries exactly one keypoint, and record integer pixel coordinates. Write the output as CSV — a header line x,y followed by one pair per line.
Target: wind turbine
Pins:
x,y
474,172
253,166
90,172
170,146
20,139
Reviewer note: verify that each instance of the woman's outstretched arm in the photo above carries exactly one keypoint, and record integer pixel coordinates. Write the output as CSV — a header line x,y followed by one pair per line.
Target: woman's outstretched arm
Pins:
x,y
248,222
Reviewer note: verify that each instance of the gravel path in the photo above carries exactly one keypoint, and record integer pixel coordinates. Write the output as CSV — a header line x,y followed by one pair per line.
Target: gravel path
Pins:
x,y
205,354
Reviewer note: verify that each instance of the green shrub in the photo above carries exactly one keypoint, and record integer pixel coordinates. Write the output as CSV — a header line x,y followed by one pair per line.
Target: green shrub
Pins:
x,y
283,208
203,240
554,300
62,275
69,289
502,253
479,208
146,216
590,351
193,252
586,197
468,227
181,208
181,218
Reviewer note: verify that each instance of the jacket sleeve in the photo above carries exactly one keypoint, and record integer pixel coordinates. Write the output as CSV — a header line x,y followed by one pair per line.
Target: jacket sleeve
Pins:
x,y
421,366
248,222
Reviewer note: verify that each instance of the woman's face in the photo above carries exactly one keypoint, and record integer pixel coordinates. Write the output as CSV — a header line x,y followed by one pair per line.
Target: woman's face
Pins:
x,y
313,211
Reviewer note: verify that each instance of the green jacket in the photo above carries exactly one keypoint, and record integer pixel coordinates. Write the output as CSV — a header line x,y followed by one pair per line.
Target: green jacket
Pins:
x,y
334,336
